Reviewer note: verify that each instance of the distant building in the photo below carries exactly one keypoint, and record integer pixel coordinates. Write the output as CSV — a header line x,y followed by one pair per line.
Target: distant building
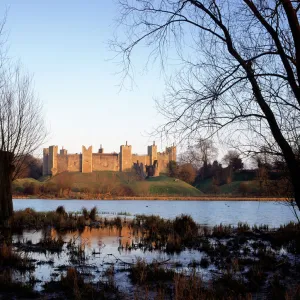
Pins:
x,y
153,163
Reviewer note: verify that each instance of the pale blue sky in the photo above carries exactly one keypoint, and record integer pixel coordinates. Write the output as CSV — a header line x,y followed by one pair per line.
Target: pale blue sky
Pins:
x,y
65,45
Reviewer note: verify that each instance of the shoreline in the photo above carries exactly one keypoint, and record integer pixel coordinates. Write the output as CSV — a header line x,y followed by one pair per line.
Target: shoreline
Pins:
x,y
157,198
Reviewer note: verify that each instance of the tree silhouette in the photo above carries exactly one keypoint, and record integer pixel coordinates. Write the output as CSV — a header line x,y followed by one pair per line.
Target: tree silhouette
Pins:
x,y
238,72
22,128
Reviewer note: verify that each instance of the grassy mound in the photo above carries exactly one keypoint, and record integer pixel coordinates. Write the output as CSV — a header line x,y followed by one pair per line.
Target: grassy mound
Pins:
x,y
111,183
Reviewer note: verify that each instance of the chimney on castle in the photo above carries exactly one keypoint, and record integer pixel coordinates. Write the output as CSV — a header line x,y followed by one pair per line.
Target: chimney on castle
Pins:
x,y
126,143
153,143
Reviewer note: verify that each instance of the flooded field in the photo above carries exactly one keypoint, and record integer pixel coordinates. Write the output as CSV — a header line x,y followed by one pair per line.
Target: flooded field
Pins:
x,y
90,255
94,251
208,213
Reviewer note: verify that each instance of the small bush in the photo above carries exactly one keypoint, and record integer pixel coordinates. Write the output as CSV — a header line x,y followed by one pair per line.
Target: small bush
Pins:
x,y
31,189
123,190
49,188
244,188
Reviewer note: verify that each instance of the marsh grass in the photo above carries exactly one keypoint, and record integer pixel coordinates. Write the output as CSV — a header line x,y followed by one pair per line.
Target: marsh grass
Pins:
x,y
53,245
9,258
221,231
256,277
72,285
189,287
287,236
245,258
93,213
277,289
124,213
59,219
243,227
61,210
77,252
167,235
230,287
174,244
262,227
143,273
11,289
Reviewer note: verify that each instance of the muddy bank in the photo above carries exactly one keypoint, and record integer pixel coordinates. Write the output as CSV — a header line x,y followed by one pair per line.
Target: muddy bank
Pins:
x,y
168,198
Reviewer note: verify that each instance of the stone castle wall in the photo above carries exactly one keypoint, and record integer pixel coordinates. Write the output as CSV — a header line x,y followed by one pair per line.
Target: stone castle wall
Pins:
x,y
105,162
74,163
144,159
87,161
62,163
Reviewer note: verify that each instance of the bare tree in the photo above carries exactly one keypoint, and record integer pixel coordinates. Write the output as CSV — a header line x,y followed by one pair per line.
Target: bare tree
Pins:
x,y
22,128
200,153
233,159
239,69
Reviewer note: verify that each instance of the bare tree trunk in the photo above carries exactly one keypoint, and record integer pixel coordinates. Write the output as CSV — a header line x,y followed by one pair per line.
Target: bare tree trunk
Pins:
x,y
295,180
6,170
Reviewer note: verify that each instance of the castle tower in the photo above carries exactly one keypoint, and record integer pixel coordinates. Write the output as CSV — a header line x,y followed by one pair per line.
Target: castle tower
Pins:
x,y
86,162
156,168
45,161
125,158
152,152
52,160
63,151
171,152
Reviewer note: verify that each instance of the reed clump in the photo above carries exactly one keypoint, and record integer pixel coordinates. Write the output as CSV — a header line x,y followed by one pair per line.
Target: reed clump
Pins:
x,y
73,286
222,231
287,236
190,287
15,290
58,219
14,260
142,272
61,210
93,213
168,235
51,244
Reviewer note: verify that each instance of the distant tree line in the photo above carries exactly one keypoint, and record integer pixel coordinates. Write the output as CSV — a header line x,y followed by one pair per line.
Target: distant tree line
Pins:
x,y
31,167
269,176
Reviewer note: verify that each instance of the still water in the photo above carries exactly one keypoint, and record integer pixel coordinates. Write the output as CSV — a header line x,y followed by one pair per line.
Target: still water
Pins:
x,y
103,247
203,212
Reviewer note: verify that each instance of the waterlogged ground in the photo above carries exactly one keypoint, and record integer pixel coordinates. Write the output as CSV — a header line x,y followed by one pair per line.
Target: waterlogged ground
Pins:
x,y
94,250
209,213
117,254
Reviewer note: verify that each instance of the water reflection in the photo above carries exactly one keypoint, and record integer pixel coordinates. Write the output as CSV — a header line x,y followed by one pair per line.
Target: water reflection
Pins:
x,y
203,212
101,247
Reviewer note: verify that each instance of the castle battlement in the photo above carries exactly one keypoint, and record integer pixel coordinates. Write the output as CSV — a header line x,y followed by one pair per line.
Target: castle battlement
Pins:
x,y
87,161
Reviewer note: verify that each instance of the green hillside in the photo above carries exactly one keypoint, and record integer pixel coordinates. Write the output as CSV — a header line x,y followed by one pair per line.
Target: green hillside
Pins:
x,y
238,187
113,183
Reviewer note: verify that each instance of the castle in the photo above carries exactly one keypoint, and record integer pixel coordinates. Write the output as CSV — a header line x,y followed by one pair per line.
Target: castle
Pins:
x,y
86,162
